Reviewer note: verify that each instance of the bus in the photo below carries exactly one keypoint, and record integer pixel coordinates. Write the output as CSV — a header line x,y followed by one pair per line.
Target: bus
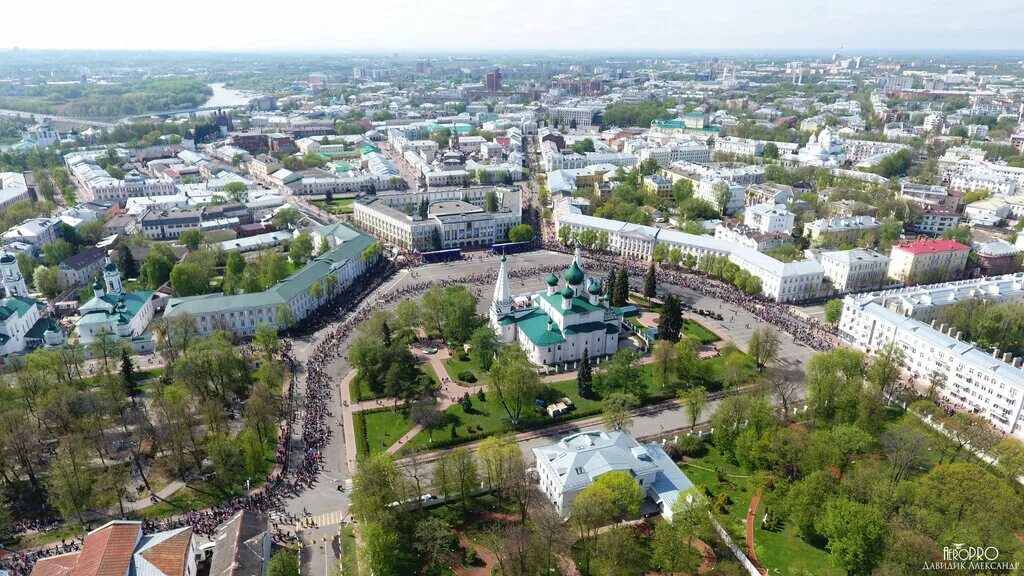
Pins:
x,y
509,248
441,256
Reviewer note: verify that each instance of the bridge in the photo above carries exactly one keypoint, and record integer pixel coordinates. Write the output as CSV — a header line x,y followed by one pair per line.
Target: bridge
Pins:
x,y
190,111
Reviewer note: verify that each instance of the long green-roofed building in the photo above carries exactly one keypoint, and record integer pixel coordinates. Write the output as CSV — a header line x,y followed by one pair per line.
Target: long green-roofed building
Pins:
x,y
289,299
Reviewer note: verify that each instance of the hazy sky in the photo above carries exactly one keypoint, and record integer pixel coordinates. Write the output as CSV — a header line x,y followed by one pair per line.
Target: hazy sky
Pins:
x,y
507,25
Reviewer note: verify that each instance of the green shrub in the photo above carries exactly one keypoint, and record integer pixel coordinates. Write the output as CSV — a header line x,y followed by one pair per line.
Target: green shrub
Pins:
x,y
467,376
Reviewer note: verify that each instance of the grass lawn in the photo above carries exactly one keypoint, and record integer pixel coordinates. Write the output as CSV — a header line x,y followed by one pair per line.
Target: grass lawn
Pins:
x,y
642,303
697,330
349,555
336,206
488,417
456,367
192,497
55,535
384,428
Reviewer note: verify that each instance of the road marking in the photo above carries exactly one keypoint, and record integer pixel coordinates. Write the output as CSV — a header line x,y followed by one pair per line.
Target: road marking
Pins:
x,y
328,518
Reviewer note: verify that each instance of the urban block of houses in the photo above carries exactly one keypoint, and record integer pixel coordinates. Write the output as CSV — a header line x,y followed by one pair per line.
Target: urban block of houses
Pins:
x,y
836,231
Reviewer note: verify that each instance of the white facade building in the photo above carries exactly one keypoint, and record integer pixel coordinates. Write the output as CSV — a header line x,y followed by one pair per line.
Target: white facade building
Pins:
x,y
769,218
572,464
857,270
986,383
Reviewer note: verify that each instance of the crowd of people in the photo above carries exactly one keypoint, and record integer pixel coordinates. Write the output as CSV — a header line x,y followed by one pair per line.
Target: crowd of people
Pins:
x,y
354,307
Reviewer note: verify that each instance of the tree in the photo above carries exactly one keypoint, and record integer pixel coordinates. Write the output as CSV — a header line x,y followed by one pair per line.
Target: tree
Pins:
x,y
609,286
301,249
189,279
670,323
266,340
619,551
192,238
889,232
46,280
72,479
616,410
484,345
833,311
785,385
565,235
126,262
463,473
886,368
385,551
436,542
435,239
856,535
128,372
764,346
376,484
650,284
770,151
520,233
622,374
585,377
156,268
696,399
424,208
286,217
284,562
723,195
621,288
491,201
500,462
583,146
56,252
514,382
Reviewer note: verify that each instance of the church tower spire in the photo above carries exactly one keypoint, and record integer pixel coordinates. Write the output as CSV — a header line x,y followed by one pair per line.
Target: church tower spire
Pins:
x,y
502,303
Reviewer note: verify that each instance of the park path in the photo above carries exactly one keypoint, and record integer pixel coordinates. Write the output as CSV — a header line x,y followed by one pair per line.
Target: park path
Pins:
x,y
751,518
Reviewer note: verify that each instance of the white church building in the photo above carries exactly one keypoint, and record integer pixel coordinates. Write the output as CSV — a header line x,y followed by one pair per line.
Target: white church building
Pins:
x,y
556,326
125,315
22,326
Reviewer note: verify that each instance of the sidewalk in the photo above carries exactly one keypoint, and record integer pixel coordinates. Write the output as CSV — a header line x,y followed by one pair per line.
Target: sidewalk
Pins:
x,y
163,494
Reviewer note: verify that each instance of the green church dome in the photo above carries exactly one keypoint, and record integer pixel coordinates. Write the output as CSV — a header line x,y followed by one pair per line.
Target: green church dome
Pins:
x,y
594,288
552,280
568,292
574,275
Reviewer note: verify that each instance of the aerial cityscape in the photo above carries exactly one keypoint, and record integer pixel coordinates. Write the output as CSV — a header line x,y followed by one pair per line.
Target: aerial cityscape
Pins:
x,y
487,295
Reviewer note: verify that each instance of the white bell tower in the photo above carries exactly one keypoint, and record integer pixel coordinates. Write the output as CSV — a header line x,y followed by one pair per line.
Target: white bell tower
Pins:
x,y
14,284
112,278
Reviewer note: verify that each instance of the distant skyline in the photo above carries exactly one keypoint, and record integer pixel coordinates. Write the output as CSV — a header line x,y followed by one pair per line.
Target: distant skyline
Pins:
x,y
662,26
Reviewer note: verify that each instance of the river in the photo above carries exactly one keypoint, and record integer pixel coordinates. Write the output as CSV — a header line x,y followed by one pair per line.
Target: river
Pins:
x,y
227,97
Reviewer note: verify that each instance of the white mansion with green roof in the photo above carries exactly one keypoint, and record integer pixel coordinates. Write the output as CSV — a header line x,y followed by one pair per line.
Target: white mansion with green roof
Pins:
x,y
557,325
22,326
242,313
113,311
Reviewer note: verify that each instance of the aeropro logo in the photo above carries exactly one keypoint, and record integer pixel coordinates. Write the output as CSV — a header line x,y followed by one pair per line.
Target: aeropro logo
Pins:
x,y
959,556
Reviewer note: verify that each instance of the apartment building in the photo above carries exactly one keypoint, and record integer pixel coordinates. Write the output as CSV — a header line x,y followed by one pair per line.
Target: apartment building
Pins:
x,y
856,270
836,231
923,260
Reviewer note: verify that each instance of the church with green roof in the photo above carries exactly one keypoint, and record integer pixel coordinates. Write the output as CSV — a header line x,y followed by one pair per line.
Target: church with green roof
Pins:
x,y
557,325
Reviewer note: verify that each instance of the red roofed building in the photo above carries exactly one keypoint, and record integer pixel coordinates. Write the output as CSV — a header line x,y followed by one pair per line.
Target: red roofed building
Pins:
x,y
119,548
928,261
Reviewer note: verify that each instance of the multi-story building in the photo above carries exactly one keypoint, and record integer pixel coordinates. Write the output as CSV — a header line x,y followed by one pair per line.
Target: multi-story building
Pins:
x,y
749,147
12,189
35,232
572,464
577,116
683,151
933,221
658,185
836,231
780,281
291,299
456,218
856,270
79,269
769,218
987,212
752,238
769,193
101,186
242,546
923,260
986,383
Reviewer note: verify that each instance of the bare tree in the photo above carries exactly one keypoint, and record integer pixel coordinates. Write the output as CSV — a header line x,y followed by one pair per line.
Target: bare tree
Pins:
x,y
903,446
785,384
